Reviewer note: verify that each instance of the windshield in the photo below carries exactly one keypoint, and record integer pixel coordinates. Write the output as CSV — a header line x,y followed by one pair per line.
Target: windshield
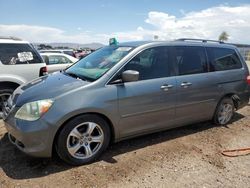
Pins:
x,y
98,63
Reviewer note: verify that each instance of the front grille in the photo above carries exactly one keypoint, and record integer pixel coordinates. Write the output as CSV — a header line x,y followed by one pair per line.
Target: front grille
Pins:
x,y
12,139
16,142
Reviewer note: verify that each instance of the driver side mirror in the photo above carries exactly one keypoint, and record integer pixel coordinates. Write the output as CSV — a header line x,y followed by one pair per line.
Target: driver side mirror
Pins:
x,y
130,76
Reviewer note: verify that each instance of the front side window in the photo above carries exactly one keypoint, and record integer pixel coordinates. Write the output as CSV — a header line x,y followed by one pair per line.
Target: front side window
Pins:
x,y
223,59
190,60
151,63
11,54
99,62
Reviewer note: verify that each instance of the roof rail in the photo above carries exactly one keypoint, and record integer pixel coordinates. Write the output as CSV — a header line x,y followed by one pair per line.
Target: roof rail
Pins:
x,y
201,40
10,37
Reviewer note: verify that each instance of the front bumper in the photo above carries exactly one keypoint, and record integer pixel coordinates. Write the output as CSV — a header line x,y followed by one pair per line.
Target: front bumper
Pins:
x,y
32,137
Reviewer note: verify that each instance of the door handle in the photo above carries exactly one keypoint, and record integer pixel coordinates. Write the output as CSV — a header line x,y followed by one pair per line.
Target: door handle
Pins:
x,y
166,87
186,84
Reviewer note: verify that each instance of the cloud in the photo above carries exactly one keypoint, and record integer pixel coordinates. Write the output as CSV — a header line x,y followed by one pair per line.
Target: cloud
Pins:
x,y
47,34
207,23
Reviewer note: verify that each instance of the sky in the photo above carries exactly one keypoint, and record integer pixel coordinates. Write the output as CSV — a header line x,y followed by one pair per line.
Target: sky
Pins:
x,y
81,21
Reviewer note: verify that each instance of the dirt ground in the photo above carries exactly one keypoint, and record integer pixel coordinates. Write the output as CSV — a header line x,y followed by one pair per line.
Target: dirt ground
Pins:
x,y
185,157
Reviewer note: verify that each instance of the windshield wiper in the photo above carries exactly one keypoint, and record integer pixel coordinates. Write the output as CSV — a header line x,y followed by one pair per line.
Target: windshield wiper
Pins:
x,y
74,75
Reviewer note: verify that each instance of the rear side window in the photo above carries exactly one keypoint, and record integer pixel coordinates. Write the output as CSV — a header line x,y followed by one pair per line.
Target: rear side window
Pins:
x,y
190,60
11,54
223,59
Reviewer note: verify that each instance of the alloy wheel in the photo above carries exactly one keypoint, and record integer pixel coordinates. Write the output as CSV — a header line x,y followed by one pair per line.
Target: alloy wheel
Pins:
x,y
225,113
85,140
3,98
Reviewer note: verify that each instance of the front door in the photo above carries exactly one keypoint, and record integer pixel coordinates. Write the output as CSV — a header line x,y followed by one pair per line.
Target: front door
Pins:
x,y
148,104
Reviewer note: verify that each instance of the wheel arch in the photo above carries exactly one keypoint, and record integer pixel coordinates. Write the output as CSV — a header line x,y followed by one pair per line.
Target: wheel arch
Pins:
x,y
8,84
234,97
111,127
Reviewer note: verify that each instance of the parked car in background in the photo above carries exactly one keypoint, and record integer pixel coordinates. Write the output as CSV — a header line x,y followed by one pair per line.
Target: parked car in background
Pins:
x,y
19,63
126,90
83,53
64,51
57,61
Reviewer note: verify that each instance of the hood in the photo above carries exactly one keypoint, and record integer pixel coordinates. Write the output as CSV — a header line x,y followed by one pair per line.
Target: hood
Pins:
x,y
47,87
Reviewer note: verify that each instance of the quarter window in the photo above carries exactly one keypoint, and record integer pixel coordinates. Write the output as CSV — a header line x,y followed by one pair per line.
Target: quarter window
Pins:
x,y
223,59
190,60
11,54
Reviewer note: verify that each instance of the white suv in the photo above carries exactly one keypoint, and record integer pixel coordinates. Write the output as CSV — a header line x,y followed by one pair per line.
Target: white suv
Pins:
x,y
19,63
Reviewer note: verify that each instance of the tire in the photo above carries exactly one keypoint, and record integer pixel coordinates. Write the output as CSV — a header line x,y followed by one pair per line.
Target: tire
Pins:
x,y
4,95
224,111
86,147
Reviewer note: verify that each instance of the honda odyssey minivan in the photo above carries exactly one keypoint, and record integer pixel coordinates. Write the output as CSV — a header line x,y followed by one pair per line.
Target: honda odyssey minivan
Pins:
x,y
125,90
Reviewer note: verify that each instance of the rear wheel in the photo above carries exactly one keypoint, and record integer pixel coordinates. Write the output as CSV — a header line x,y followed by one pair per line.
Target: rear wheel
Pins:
x,y
224,112
5,93
83,139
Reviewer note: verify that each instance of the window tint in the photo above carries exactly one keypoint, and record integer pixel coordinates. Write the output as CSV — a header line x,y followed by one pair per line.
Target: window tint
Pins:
x,y
11,54
58,60
223,59
151,63
190,60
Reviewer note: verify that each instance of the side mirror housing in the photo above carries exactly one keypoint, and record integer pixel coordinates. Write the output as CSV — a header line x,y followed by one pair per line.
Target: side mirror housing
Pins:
x,y
130,76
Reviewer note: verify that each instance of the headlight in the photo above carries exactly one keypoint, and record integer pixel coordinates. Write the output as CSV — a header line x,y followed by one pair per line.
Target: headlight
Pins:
x,y
34,110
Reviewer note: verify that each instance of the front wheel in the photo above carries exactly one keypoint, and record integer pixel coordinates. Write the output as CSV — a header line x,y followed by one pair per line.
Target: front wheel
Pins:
x,y
224,112
83,139
5,93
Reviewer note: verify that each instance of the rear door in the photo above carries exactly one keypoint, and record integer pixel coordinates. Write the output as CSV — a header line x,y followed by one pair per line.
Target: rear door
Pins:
x,y
231,73
148,104
196,87
20,60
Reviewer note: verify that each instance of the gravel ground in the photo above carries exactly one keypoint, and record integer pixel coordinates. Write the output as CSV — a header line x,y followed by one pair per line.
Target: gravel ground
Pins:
x,y
185,157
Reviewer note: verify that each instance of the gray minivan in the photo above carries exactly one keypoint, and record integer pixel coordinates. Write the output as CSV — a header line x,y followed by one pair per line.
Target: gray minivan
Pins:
x,y
125,90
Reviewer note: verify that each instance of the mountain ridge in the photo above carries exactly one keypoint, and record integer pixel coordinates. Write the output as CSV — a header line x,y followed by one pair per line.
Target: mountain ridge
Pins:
x,y
72,45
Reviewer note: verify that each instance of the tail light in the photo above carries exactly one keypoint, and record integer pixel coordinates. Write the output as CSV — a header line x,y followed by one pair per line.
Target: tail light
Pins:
x,y
43,71
248,80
